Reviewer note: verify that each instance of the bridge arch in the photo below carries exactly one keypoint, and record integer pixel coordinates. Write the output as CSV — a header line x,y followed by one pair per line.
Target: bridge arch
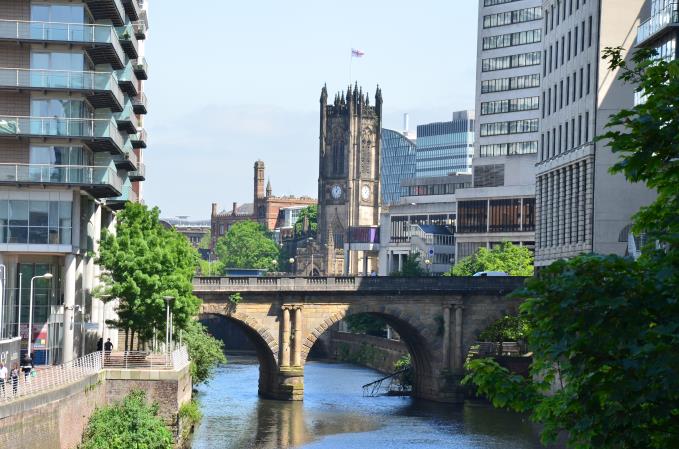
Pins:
x,y
410,329
266,346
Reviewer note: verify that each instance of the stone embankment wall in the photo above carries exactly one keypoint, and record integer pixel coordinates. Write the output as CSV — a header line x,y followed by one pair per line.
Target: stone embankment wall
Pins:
x,y
56,419
374,352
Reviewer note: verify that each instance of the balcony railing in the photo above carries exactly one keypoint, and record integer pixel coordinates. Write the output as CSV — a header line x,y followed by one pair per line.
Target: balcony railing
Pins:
x,y
141,26
139,140
127,194
107,9
126,119
101,179
102,134
667,16
139,174
103,86
141,68
140,103
128,40
127,79
96,37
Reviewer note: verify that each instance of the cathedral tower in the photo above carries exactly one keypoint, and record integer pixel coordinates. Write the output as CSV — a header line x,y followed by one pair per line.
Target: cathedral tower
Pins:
x,y
349,181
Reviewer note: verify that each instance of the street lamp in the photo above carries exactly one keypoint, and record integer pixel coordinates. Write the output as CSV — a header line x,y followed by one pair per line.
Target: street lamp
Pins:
x,y
168,336
291,261
427,262
47,276
274,262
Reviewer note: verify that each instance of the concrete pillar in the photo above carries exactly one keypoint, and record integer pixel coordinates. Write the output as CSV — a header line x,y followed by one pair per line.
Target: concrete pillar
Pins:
x,y
457,346
297,338
69,306
400,262
446,337
284,356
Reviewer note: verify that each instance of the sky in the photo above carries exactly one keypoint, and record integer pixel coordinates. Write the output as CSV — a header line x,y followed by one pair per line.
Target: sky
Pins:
x,y
231,82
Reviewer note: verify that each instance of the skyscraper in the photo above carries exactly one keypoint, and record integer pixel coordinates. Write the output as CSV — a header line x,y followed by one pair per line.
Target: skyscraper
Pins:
x,y
581,206
398,164
71,134
445,148
501,205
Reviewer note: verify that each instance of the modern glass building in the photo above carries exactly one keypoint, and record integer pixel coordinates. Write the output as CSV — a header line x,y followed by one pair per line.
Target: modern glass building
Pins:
x,y
398,163
446,147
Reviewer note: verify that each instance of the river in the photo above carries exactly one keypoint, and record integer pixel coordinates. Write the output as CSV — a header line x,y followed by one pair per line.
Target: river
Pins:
x,y
335,415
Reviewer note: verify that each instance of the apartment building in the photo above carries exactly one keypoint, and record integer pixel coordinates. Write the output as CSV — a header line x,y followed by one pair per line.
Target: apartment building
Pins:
x,y
581,206
501,205
72,107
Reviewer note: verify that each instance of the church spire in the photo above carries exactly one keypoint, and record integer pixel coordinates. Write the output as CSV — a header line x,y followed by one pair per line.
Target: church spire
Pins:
x,y
268,188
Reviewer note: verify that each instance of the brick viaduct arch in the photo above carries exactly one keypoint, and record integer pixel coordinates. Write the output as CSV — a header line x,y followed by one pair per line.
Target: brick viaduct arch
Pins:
x,y
437,318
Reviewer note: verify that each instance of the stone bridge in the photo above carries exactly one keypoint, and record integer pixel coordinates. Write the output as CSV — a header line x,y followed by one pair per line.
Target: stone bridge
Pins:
x,y
438,318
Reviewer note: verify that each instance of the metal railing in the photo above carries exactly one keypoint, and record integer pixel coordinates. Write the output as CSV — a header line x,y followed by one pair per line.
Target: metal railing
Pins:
x,y
177,359
666,16
62,127
50,378
141,65
61,79
59,31
60,174
140,100
140,136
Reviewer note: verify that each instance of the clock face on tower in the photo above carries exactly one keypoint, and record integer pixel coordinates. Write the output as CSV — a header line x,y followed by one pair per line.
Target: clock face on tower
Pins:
x,y
365,192
336,192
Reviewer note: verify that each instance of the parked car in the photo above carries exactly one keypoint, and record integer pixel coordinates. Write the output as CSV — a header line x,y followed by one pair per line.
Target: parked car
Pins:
x,y
491,273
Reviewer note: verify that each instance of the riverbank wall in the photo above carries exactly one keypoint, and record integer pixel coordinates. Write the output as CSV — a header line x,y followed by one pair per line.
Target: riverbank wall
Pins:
x,y
56,419
373,352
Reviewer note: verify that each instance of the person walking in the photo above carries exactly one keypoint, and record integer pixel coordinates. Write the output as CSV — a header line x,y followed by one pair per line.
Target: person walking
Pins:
x,y
100,344
15,378
27,366
3,378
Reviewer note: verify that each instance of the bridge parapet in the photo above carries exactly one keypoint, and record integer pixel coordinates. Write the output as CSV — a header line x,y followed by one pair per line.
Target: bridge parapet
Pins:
x,y
376,284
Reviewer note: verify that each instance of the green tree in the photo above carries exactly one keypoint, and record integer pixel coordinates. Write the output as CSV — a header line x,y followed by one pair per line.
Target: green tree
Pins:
x,y
205,351
604,329
206,241
411,267
210,268
512,259
144,263
311,214
507,328
131,423
248,244
364,323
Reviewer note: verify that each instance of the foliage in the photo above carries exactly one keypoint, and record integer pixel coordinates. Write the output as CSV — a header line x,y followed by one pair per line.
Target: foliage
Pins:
x,y
645,138
213,268
411,267
405,379
507,328
235,298
311,214
364,323
146,262
205,352
248,244
129,424
604,331
205,241
512,259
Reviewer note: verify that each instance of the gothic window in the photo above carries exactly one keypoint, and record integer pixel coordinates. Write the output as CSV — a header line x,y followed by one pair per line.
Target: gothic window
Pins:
x,y
338,158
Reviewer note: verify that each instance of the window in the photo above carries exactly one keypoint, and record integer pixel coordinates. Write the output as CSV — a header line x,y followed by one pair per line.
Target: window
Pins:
x,y
542,147
58,13
575,42
504,215
574,86
510,62
586,126
581,76
550,59
573,132
489,175
569,45
511,127
549,134
579,130
589,38
563,49
565,136
512,39
589,77
512,105
510,17
568,88
528,215
35,222
582,36
549,101
543,104
556,54
561,94
509,149
558,149
472,216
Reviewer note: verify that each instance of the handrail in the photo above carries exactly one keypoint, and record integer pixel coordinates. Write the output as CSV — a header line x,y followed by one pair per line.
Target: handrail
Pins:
x,y
61,126
75,32
60,174
667,15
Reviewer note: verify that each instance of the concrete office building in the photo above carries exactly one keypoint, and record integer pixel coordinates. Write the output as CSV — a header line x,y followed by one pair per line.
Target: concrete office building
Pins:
x,y
71,135
501,205
581,206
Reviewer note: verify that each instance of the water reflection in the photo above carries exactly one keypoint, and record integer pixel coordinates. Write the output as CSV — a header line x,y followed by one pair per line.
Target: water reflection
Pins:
x,y
334,415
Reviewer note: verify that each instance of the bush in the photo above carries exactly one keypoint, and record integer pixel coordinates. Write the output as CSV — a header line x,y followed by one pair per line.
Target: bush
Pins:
x,y
131,423
205,352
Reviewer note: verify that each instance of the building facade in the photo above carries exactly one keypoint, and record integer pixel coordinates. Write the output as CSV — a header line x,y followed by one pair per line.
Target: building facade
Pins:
x,y
349,187
501,205
445,147
72,107
265,208
398,163
581,206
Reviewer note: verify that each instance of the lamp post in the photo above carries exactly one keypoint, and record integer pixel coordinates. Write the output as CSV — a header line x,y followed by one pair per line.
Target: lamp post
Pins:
x,y
274,262
21,277
47,276
2,300
427,263
292,264
168,300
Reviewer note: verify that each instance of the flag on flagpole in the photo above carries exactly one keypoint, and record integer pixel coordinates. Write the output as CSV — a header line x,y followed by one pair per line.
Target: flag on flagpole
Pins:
x,y
356,53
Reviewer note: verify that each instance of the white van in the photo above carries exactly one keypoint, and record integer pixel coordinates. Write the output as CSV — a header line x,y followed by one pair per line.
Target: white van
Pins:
x,y
491,273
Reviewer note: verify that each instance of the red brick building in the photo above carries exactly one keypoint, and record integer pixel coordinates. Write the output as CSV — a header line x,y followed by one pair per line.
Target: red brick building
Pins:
x,y
265,208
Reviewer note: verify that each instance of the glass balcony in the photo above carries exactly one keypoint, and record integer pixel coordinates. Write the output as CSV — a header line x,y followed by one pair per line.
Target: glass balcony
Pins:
x,y
139,174
139,140
101,182
141,68
101,88
127,194
140,103
128,80
132,9
100,41
112,10
659,20
126,119
127,161
97,134
128,40
141,26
